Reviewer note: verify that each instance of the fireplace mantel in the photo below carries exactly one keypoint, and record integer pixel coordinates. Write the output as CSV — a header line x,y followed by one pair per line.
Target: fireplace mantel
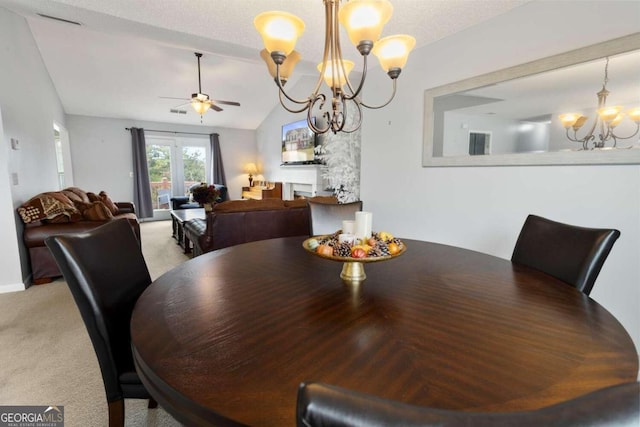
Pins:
x,y
304,179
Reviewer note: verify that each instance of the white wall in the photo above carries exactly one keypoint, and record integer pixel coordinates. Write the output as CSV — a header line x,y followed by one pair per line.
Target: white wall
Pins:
x,y
102,159
483,208
29,105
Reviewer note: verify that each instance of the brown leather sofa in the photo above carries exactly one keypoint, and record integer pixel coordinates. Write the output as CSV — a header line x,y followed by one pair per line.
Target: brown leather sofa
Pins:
x,y
69,211
241,221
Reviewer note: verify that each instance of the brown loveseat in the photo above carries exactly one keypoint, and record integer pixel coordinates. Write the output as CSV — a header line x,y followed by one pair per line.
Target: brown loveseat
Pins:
x,y
69,211
241,221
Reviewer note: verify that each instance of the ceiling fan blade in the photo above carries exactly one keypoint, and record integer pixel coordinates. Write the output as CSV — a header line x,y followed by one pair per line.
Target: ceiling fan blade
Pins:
x,y
183,104
215,107
171,97
237,104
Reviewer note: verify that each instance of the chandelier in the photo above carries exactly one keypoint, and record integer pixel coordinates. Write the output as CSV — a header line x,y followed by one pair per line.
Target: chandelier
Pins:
x,y
603,129
363,21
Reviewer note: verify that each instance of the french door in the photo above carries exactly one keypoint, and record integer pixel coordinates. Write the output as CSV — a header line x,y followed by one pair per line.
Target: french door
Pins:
x,y
175,164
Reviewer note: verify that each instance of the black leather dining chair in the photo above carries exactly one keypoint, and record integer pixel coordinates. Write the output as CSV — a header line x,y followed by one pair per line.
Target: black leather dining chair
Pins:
x,y
326,218
572,254
106,273
321,405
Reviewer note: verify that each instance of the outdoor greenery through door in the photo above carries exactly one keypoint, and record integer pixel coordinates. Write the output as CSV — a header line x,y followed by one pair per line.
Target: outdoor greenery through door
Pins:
x,y
175,164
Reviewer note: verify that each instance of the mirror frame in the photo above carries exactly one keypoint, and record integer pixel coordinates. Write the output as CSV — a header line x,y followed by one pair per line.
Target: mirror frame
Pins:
x,y
608,48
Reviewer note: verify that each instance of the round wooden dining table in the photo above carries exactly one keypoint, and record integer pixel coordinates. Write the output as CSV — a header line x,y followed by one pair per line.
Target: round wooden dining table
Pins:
x,y
227,337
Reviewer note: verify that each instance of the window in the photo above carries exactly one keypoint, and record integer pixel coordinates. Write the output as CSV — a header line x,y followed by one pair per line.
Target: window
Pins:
x,y
175,164
63,156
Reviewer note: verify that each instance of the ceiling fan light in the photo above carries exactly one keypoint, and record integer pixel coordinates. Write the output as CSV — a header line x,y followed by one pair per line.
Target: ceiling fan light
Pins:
x,y
199,106
364,19
279,30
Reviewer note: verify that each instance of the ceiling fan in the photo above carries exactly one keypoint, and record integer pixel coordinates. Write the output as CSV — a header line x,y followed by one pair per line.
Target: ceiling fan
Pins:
x,y
200,101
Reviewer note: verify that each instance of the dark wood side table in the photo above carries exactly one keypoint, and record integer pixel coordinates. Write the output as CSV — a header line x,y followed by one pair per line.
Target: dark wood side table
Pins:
x,y
178,218
227,336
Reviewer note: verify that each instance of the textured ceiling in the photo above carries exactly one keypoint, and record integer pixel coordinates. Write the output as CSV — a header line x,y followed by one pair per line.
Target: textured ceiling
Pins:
x,y
129,53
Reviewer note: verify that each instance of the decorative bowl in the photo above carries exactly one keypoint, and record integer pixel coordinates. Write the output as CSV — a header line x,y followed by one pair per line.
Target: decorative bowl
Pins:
x,y
353,268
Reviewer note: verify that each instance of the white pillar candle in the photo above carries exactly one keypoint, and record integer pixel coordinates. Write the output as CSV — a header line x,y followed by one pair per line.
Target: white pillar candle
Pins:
x,y
364,221
348,227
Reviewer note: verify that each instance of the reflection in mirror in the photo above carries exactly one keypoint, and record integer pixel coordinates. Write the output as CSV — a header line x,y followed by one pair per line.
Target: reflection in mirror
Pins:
x,y
513,116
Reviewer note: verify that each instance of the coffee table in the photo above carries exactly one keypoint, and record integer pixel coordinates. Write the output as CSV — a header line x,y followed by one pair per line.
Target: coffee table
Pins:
x,y
178,218
226,337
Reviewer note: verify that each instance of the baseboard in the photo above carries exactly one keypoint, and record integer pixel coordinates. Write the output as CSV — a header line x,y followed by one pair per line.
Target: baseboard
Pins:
x,y
12,287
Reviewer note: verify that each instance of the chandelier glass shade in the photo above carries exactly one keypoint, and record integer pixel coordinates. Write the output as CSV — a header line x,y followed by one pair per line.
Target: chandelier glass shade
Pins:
x,y
603,128
363,20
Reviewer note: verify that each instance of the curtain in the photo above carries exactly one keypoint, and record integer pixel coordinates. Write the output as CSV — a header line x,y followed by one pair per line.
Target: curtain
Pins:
x,y
217,168
141,185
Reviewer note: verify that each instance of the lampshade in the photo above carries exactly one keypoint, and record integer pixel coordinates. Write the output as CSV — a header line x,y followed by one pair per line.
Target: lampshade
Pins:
x,y
200,106
250,168
609,113
279,30
634,114
572,120
286,69
364,19
393,51
332,70
615,122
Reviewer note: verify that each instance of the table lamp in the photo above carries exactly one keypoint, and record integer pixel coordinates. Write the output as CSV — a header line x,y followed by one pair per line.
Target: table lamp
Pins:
x,y
251,169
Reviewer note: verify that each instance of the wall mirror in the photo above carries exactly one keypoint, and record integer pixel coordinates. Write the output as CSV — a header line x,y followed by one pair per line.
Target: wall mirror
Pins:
x,y
512,116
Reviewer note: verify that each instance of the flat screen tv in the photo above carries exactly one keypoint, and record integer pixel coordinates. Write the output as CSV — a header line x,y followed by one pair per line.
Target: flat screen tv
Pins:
x,y
298,143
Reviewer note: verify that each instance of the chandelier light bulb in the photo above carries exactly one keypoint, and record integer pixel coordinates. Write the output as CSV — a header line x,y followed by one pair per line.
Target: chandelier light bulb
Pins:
x,y
332,70
393,51
603,130
286,68
364,19
568,119
279,30
607,114
634,114
616,121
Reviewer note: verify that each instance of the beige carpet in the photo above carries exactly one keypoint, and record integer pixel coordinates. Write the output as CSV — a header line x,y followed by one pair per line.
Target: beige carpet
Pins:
x,y
46,357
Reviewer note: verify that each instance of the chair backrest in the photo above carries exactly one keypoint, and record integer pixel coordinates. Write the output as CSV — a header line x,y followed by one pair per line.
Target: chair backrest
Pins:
x,y
326,218
572,254
164,196
330,406
106,273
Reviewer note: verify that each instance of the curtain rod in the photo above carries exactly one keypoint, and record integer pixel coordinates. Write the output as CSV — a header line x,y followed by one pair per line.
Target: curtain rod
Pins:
x,y
174,132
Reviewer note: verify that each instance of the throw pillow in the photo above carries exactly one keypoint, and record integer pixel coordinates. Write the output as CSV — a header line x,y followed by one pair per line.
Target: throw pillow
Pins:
x,y
46,206
96,211
79,192
108,203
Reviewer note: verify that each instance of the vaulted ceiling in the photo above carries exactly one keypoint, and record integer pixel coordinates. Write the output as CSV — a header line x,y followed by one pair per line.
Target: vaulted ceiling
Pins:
x,y
127,54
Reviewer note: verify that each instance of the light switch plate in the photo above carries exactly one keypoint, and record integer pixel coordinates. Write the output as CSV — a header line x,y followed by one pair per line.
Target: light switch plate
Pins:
x,y
15,144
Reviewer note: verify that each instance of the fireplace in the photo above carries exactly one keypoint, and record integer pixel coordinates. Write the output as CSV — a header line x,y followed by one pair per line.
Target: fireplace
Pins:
x,y
298,194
